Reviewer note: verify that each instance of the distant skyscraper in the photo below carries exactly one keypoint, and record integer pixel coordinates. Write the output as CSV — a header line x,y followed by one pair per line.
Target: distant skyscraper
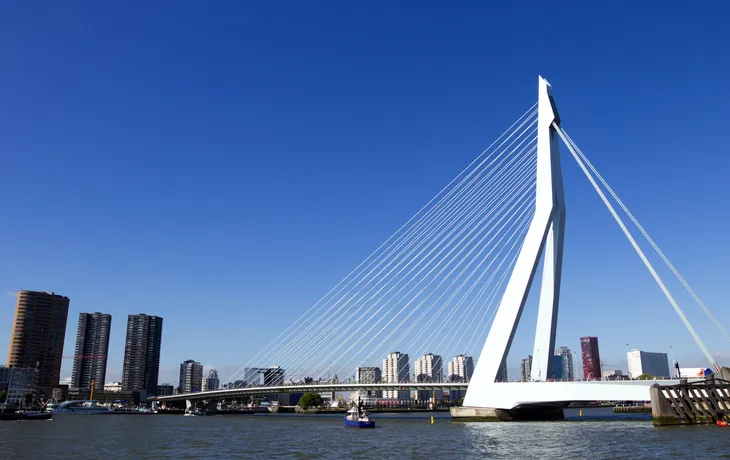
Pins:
x,y
461,368
526,368
396,369
191,376
38,335
142,353
211,381
644,362
591,358
92,346
568,372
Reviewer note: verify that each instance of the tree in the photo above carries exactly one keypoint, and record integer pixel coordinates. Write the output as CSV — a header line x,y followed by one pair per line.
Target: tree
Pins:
x,y
3,396
646,377
27,398
310,400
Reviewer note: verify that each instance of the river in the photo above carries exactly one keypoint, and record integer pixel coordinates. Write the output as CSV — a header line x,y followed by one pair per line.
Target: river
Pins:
x,y
597,434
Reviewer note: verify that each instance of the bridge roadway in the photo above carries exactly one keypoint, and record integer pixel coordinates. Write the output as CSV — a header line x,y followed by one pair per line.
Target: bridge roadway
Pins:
x,y
336,387
502,395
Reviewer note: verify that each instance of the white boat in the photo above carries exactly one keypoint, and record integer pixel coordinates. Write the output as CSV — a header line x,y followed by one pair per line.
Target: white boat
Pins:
x,y
82,407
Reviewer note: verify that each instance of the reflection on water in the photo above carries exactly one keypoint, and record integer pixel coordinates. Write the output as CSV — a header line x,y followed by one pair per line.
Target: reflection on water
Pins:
x,y
397,436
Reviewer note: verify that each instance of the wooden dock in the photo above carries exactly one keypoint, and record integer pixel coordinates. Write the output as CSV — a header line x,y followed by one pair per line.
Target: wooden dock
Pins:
x,y
698,402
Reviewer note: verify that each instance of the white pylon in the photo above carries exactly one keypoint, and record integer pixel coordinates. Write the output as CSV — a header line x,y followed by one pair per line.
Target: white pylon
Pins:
x,y
545,233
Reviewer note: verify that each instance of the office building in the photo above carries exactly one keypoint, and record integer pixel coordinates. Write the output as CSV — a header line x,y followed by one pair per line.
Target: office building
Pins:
x,y
502,374
38,335
191,376
461,368
644,362
22,380
556,368
252,377
165,389
591,358
526,368
614,374
211,381
142,353
367,375
396,369
273,376
92,346
567,356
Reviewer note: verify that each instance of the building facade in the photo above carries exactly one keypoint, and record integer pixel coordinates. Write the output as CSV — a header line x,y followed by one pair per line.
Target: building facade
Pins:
x,y
556,368
92,347
38,335
142,353
367,375
396,369
591,358
461,368
429,368
22,380
273,376
165,389
526,368
191,376
211,381
4,377
113,387
644,362
567,357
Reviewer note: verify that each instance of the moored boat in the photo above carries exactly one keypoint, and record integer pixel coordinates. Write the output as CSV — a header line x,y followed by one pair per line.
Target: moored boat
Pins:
x,y
26,415
82,407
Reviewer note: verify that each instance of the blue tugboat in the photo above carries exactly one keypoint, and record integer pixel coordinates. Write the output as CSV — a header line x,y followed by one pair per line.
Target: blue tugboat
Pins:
x,y
358,418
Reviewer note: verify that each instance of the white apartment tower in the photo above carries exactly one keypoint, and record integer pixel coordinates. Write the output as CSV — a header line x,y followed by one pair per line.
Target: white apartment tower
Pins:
x,y
461,368
396,370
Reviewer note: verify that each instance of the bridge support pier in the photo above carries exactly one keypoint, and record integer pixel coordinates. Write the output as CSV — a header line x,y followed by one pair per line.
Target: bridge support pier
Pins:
x,y
522,413
212,406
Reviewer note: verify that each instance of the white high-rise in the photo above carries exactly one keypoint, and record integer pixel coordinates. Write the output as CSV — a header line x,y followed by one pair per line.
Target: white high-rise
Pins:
x,y
367,375
396,370
461,368
429,368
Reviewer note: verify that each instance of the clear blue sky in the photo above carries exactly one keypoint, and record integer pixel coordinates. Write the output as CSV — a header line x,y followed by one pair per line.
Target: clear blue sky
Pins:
x,y
223,165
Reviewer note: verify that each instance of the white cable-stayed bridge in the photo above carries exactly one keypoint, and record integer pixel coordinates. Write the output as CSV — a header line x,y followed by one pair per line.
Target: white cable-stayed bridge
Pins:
x,y
453,281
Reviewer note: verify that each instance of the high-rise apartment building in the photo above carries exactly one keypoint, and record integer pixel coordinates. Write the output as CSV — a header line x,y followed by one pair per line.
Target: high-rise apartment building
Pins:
x,y
429,368
591,358
92,346
396,369
142,353
526,368
191,376
211,381
567,358
644,362
461,368
38,335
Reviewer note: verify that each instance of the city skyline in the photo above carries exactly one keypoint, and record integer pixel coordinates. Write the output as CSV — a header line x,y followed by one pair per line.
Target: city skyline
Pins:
x,y
162,247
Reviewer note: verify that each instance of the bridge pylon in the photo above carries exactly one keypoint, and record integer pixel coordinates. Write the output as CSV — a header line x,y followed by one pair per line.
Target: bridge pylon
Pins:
x,y
545,235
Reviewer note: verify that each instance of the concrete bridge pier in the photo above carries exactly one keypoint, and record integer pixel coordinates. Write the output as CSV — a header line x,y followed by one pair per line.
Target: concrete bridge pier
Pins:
x,y
520,413
212,406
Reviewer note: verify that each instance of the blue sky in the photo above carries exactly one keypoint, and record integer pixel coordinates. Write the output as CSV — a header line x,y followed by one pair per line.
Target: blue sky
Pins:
x,y
224,165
